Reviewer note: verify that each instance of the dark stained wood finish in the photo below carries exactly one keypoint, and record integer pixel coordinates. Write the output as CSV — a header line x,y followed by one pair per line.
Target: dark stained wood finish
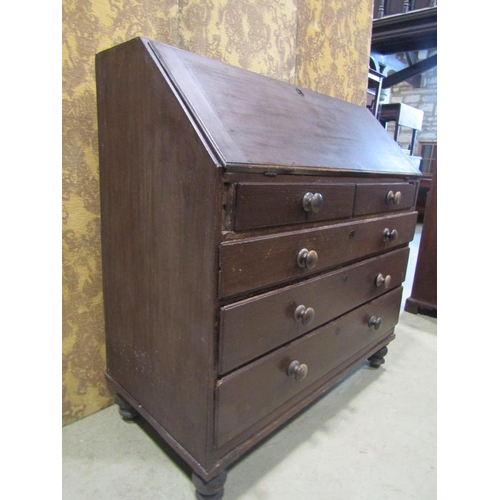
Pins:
x,y
423,296
203,169
209,490
277,204
423,190
313,178
235,448
126,410
372,198
252,327
378,359
247,395
152,260
414,30
301,132
258,262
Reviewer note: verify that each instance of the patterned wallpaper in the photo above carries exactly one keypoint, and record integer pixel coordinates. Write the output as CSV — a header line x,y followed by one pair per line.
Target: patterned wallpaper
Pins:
x,y
256,35
90,26
318,44
333,47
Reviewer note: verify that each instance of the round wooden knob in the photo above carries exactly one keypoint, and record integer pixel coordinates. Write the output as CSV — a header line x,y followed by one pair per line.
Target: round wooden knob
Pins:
x,y
374,322
305,315
393,198
381,280
297,370
387,234
307,258
312,202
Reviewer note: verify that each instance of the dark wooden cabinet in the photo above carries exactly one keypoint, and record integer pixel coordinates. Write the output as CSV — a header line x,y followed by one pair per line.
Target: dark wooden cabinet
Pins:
x,y
255,239
427,150
428,166
423,298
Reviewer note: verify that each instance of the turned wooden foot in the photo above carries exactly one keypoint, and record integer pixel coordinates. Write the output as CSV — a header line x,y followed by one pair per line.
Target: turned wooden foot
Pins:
x,y
377,359
127,411
209,490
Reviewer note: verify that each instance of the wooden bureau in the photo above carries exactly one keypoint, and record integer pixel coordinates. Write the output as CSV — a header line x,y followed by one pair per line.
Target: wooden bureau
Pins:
x,y
254,243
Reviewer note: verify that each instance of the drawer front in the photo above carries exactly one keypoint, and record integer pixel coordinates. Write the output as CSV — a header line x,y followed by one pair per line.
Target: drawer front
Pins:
x,y
254,263
266,205
247,395
252,327
383,197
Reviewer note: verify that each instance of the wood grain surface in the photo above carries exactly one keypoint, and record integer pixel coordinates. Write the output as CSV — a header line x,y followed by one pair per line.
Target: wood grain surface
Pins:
x,y
253,263
153,255
279,204
252,327
253,120
247,395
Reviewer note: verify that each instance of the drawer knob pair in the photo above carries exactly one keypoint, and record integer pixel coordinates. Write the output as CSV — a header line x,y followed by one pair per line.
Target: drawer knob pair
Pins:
x,y
393,198
297,370
307,258
312,202
375,322
304,315
387,234
381,280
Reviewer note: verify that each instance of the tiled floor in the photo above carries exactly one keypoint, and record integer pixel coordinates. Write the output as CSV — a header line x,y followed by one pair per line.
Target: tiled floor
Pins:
x,y
372,437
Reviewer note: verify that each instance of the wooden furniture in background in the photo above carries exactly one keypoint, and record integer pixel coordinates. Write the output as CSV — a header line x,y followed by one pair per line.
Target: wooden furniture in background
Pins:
x,y
403,116
383,8
427,150
374,89
423,296
255,239
408,31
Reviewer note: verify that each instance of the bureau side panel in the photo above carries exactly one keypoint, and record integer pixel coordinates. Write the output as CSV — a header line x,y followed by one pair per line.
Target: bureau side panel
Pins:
x,y
159,193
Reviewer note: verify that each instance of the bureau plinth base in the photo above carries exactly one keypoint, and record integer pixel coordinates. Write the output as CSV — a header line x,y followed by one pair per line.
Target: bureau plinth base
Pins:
x,y
377,359
209,490
126,410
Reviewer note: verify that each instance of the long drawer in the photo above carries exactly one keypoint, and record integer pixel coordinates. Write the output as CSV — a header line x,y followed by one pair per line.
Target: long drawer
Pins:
x,y
247,395
254,263
252,327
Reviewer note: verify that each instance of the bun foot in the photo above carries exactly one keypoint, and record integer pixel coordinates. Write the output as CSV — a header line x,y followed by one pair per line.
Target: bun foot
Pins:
x,y
126,410
209,490
377,359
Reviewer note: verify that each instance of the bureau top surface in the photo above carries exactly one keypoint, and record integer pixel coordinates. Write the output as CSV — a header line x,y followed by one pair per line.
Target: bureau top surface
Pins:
x,y
253,121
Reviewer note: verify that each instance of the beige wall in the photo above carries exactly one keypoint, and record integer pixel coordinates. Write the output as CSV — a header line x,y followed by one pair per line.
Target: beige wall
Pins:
x,y
318,44
333,47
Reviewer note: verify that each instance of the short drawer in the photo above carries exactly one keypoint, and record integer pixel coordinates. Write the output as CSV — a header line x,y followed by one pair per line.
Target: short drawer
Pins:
x,y
254,263
264,205
252,327
247,395
384,197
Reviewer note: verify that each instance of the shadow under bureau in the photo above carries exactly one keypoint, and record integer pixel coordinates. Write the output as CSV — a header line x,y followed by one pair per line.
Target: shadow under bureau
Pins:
x,y
254,243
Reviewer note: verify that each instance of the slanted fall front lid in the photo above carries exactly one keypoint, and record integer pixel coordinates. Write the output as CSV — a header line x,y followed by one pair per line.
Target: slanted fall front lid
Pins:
x,y
254,121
